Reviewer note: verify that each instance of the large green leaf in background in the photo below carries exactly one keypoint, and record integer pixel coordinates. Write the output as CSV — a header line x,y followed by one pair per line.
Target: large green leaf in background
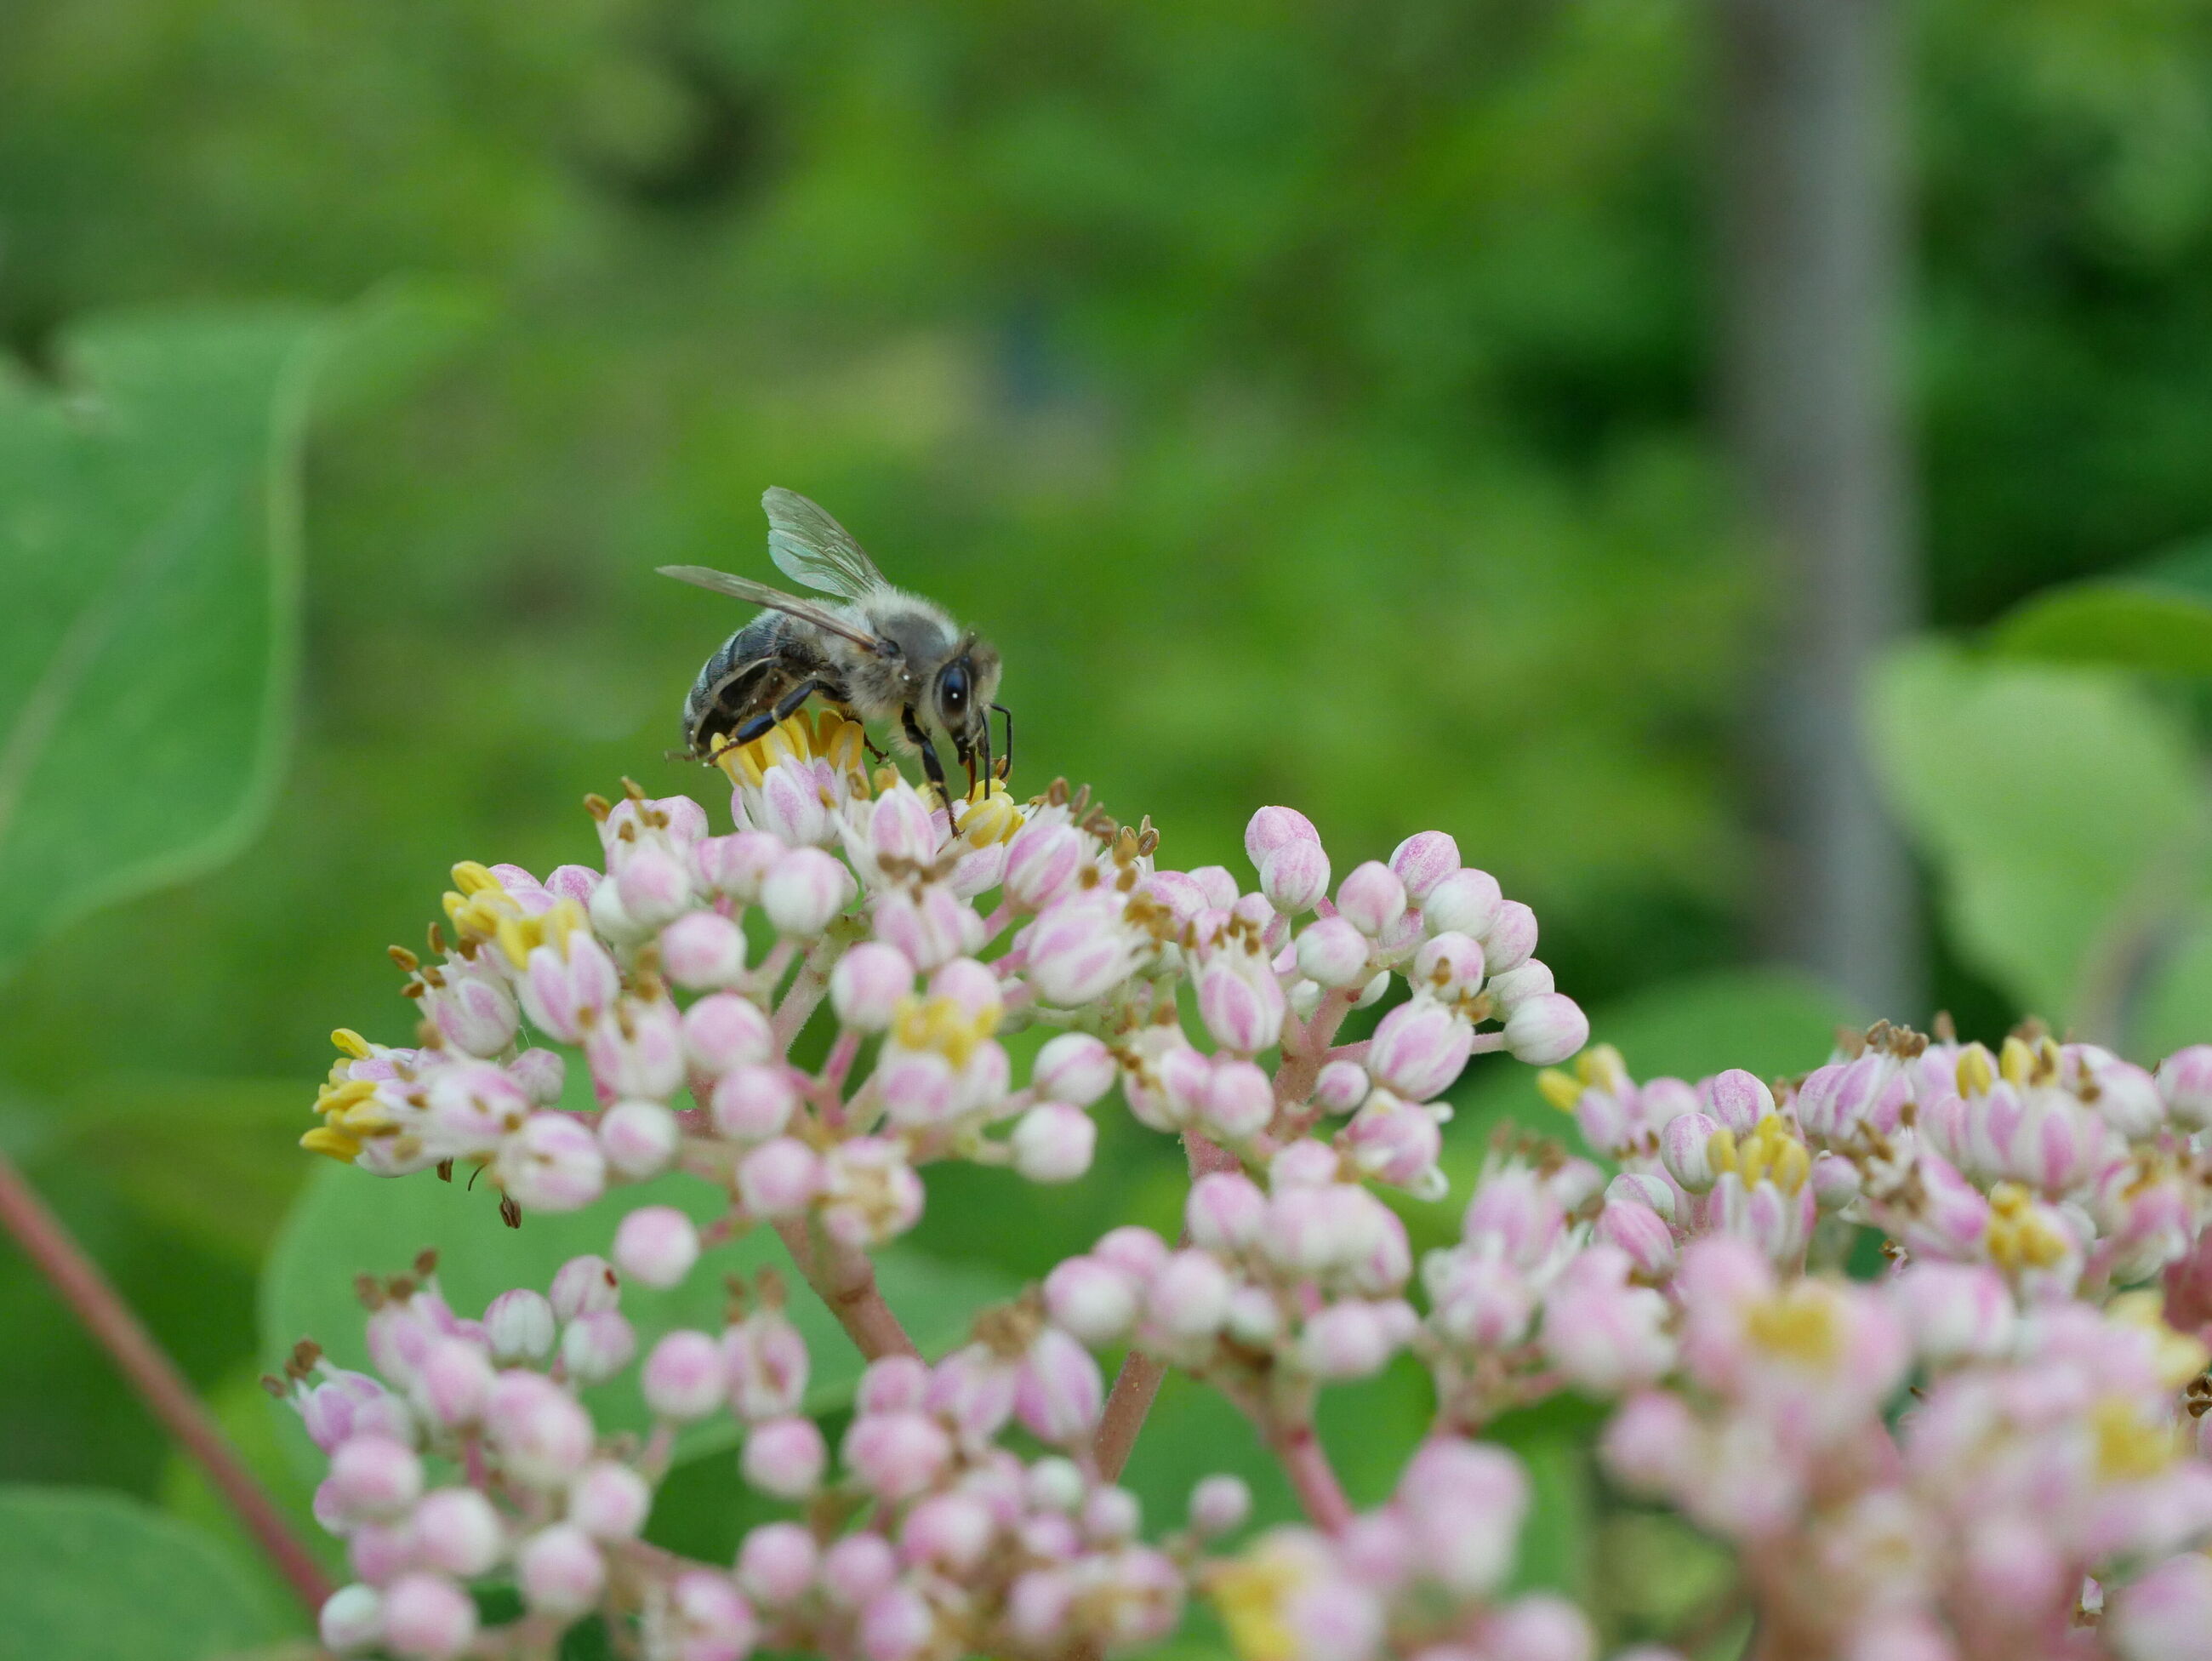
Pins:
x,y
2156,618
149,521
2061,809
348,1222
86,1576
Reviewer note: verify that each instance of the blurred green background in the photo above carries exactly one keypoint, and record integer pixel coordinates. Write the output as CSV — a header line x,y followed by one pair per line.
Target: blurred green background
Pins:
x,y
1315,403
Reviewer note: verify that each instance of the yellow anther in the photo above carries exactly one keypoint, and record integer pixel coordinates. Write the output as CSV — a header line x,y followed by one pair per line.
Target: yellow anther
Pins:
x,y
1601,1066
336,1143
991,816
1251,1593
942,1024
1799,1323
472,878
352,1043
1559,1088
1720,1148
2015,1061
1792,1166
1976,1072
520,936
2020,1235
2129,1446
338,1097
2178,1357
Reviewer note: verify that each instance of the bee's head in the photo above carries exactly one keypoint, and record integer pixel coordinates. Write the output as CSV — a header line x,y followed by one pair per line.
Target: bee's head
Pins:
x,y
962,695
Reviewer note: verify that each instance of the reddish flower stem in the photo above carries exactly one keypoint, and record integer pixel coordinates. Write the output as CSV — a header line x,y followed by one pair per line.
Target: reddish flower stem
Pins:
x,y
845,1280
79,1283
1138,1381
1305,1461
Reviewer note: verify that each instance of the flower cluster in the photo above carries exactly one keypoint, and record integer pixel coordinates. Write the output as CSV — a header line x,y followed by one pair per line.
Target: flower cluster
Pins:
x,y
1984,1447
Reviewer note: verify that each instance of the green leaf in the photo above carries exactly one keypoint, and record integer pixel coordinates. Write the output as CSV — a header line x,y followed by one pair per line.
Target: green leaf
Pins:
x,y
2157,618
347,1222
91,1576
2060,807
149,523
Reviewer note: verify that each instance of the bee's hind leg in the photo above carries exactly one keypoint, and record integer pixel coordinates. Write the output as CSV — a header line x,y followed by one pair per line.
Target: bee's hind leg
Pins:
x,y
769,720
932,763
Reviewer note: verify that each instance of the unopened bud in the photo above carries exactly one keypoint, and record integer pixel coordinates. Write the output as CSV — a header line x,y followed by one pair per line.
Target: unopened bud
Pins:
x,y
867,983
560,1573
1074,1068
1295,876
1053,1142
639,1138
702,950
520,1327
428,1618
656,1244
786,1458
804,891
1372,898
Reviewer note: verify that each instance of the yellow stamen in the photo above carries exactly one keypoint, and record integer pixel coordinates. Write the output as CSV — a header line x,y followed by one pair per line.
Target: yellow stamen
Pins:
x,y
2130,1447
1799,1323
1771,1151
1250,1593
472,878
991,815
2015,1061
1601,1065
1720,1148
942,1024
520,936
352,1043
2020,1236
1559,1088
338,1097
336,1143
1976,1072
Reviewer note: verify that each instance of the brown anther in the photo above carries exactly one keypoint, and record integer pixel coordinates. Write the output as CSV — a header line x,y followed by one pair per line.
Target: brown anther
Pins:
x,y
1946,1030
413,989
428,1036
598,806
1851,1042
370,1294
2032,1031
434,975
633,790
437,940
408,962
509,1212
444,1171
626,832
274,1385
768,1286
304,1356
426,1263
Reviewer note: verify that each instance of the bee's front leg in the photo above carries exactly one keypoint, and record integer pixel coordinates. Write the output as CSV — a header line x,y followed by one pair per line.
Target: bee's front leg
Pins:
x,y
932,763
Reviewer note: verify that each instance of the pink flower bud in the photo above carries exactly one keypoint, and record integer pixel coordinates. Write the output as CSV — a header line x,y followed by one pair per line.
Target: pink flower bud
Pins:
x,y
608,1500
457,1532
896,1626
639,1138
1334,953
1392,1142
900,830
585,1284
1835,1182
1090,1300
374,1476
1510,939
1295,876
1372,898
1640,1233
596,1346
542,1075
637,1052
1736,1099
2184,1081
867,985
455,1381
1346,1340
1240,1001
1418,1049
346,1404
973,1390
538,1428
1224,1211
1541,1627
552,1163
1111,1515
1686,1149
1074,1068
1340,1087
768,1365
1078,950
1648,1439
1239,1101
804,891
1465,903
1271,828
724,1031
1954,1312
702,949
518,1325
378,1553
1219,1506
776,1563
685,1376
1053,1142
1423,860
558,991
786,1458
1137,1252
428,1618
2166,1615
895,1455
915,1086
656,1244
1479,1301
1451,966
1189,1299
560,1573
351,1618
705,1619
754,1102
1604,1334
947,1531
1058,1393
1037,1607
896,1383
1515,987
1042,861
856,1568
1547,1030
477,1016
779,1178
928,927
736,864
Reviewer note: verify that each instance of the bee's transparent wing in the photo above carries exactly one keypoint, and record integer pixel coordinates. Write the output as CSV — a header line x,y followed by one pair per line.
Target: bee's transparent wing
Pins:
x,y
759,593
809,546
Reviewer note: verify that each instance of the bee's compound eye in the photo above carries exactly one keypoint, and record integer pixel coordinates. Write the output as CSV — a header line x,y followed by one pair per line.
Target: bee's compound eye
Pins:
x,y
952,689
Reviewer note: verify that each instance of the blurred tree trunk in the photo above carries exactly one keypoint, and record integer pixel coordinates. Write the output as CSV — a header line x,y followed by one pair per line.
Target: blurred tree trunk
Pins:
x,y
1810,253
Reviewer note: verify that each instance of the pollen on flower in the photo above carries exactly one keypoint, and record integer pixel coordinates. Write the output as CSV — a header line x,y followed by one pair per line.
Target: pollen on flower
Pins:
x,y
2130,1446
520,936
1598,1067
991,814
1770,1151
2176,1356
2018,1235
1800,1323
943,1025
827,735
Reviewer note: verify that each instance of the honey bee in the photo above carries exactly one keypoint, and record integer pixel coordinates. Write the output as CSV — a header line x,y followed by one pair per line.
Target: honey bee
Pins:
x,y
881,655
